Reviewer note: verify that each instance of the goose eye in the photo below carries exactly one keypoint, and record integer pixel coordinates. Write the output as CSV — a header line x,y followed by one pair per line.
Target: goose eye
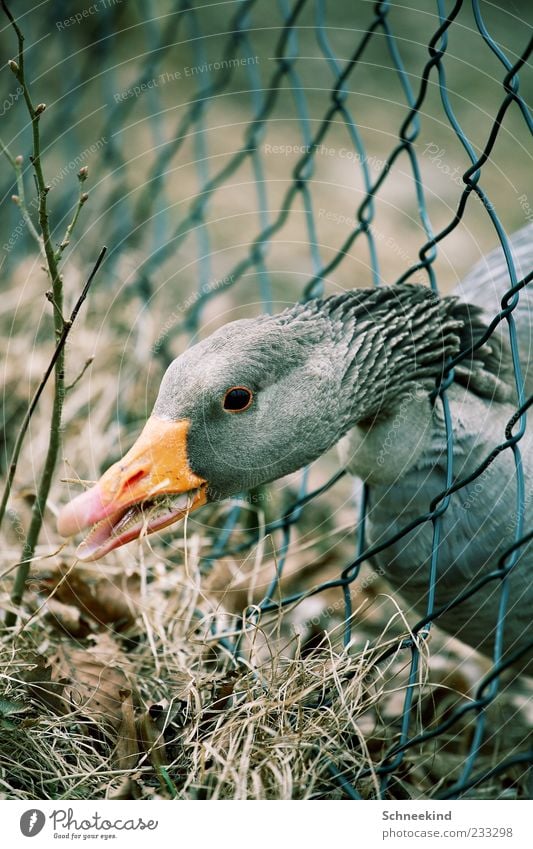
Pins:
x,y
237,399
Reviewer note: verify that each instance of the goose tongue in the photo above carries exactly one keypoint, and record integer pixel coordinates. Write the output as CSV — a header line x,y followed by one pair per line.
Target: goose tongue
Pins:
x,y
151,487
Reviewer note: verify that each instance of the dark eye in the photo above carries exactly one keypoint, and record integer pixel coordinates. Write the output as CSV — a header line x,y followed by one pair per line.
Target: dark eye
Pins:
x,y
237,399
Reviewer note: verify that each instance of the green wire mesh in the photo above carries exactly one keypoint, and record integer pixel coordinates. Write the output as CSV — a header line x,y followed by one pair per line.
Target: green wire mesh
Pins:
x,y
148,222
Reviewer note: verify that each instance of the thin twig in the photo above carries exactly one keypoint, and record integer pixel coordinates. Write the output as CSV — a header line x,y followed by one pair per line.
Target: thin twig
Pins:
x,y
35,113
20,198
82,199
67,327
8,156
77,379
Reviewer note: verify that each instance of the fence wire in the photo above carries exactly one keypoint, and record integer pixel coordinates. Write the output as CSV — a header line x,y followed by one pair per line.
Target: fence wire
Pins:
x,y
151,209
415,93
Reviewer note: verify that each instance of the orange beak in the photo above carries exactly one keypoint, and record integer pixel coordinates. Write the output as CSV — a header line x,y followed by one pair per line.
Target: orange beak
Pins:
x,y
151,487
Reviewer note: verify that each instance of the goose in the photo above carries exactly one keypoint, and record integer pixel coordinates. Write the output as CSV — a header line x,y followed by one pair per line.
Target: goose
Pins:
x,y
262,397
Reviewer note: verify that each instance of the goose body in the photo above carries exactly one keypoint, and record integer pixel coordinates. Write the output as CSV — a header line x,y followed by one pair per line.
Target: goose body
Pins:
x,y
263,397
481,519
477,527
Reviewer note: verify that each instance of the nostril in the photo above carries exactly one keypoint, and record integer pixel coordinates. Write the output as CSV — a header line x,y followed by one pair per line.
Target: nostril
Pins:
x,y
134,479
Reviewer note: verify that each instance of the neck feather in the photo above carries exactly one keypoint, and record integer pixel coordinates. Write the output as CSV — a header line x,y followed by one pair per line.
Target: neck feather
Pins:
x,y
395,340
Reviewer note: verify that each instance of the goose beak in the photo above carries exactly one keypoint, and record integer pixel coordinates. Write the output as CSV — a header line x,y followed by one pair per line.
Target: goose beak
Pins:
x,y
151,487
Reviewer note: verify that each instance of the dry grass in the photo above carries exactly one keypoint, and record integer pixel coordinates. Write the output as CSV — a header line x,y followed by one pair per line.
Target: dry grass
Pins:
x,y
117,684
121,696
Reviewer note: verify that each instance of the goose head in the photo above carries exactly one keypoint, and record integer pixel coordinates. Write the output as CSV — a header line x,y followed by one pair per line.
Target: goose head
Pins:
x,y
259,399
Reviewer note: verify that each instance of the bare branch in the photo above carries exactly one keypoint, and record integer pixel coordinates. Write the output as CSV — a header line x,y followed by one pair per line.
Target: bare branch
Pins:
x,y
67,327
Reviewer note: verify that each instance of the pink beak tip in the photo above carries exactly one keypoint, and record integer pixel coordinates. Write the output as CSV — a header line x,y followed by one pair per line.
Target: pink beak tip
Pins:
x,y
84,510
